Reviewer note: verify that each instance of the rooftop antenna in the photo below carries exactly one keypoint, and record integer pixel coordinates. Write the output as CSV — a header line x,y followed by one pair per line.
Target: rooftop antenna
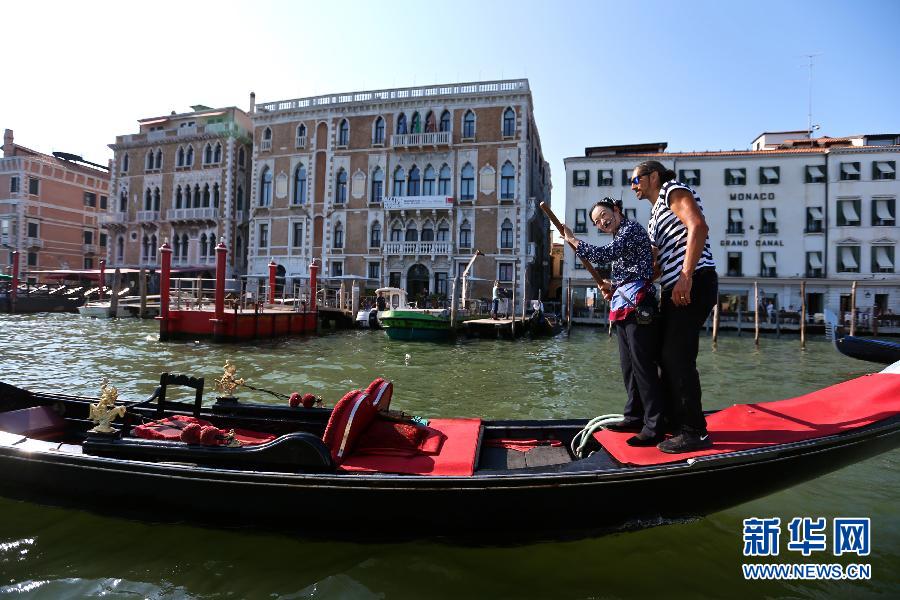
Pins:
x,y
809,124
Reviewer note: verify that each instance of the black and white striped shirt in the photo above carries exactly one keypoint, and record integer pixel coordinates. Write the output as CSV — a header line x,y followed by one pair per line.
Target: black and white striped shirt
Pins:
x,y
669,234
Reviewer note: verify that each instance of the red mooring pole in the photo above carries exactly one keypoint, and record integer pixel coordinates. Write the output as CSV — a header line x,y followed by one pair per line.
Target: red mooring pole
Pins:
x,y
313,275
165,273
272,267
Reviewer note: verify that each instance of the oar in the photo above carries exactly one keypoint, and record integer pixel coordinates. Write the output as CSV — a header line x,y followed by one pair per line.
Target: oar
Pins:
x,y
587,264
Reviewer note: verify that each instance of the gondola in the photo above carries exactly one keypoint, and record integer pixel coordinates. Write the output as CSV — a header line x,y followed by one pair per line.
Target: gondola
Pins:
x,y
868,349
362,470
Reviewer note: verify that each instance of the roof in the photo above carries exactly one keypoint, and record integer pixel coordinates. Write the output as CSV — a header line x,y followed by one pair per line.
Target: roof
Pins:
x,y
626,149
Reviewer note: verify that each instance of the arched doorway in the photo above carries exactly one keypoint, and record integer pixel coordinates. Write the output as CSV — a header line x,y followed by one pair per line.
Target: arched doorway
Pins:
x,y
417,283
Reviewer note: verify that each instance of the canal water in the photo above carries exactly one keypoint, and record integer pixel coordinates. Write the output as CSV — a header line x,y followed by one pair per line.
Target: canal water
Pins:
x,y
48,552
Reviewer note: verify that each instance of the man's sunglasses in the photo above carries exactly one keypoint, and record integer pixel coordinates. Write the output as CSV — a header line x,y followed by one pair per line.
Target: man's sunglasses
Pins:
x,y
637,180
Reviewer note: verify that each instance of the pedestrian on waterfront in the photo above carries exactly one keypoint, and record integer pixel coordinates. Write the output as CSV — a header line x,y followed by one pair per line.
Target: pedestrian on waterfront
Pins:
x,y
690,289
632,309
495,299
770,310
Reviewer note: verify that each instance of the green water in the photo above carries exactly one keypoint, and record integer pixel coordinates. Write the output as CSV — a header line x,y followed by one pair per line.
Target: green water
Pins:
x,y
58,553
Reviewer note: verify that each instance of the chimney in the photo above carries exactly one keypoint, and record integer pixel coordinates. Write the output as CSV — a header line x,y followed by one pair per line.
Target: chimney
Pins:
x,y
8,148
252,102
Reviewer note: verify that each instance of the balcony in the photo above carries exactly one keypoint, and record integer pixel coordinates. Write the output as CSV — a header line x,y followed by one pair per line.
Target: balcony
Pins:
x,y
144,216
265,145
418,248
89,248
192,214
417,140
187,130
301,141
33,242
113,218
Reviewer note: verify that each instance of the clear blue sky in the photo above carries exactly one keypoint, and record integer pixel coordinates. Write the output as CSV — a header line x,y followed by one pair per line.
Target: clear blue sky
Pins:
x,y
698,75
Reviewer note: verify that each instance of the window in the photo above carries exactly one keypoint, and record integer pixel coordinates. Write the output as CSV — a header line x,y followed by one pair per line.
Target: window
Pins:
x,y
814,265
203,246
689,177
33,231
123,201
735,266
505,272
440,284
241,157
767,221
428,181
849,171
735,220
263,236
338,236
266,143
814,219
443,232
148,162
32,259
103,202
848,259
815,173
189,160
445,121
396,232
735,176
767,264
240,199
468,131
377,185
626,177
378,135
158,162
427,232
340,195
265,188
580,220
506,234
882,259
180,158
581,178
444,181
416,123
467,183
300,184
205,195
120,249
125,163
429,122
337,268
415,181
848,213
13,184
375,235
412,234
465,235
34,186
884,169
88,237
90,199
394,279
217,153
343,133
509,122
374,270
88,262
883,212
399,182
769,175
604,177
401,123
507,181
207,154
297,234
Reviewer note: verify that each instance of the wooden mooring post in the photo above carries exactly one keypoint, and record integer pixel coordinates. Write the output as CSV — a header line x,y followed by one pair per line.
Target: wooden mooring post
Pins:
x,y
756,313
113,309
512,309
715,325
454,303
569,305
853,309
802,314
142,290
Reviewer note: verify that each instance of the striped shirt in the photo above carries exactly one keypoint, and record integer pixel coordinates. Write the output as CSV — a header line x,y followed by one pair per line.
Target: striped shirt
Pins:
x,y
669,234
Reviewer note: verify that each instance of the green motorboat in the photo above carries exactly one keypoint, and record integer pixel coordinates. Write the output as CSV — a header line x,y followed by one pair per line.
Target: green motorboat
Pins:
x,y
416,324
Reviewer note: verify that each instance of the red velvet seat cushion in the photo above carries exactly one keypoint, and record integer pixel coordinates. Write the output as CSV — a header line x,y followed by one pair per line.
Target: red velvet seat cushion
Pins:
x,y
453,444
170,429
380,393
390,435
350,417
833,410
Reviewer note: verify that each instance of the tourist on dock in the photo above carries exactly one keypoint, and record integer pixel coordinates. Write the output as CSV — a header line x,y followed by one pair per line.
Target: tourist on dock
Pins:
x,y
632,309
495,299
690,289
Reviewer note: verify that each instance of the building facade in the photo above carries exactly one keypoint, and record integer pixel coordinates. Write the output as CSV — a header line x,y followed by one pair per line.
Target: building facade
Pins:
x,y
185,179
822,210
400,187
49,209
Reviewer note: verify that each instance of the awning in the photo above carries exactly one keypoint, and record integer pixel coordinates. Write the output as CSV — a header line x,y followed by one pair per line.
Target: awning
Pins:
x,y
847,258
736,173
849,168
735,215
849,212
881,257
769,215
815,260
815,171
884,168
770,173
816,213
883,210
769,259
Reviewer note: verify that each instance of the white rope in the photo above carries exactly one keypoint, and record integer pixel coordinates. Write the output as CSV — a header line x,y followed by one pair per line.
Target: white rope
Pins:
x,y
581,439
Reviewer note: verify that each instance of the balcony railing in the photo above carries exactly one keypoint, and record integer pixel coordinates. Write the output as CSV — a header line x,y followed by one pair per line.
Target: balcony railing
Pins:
x,y
192,214
147,215
111,218
265,145
89,248
408,140
33,242
301,141
418,248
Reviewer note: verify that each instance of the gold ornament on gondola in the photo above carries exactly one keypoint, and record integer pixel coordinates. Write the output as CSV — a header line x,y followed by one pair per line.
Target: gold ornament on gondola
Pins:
x,y
228,383
105,411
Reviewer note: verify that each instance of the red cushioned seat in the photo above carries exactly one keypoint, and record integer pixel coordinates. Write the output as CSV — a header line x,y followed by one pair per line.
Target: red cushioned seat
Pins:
x,y
380,393
449,448
350,417
170,429
842,407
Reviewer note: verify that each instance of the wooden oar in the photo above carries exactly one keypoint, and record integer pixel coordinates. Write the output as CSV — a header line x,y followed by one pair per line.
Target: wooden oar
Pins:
x,y
587,264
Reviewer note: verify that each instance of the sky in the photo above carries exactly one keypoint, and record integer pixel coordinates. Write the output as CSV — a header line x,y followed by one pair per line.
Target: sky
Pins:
x,y
699,75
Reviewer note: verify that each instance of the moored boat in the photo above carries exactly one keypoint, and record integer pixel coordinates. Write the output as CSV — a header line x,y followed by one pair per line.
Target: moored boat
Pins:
x,y
872,350
361,470
417,324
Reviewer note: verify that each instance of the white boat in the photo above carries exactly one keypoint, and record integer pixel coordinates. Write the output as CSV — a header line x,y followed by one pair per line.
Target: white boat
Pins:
x,y
101,309
394,298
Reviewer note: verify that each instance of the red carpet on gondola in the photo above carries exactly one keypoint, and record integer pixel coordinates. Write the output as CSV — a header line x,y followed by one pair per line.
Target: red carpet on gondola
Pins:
x,y
835,409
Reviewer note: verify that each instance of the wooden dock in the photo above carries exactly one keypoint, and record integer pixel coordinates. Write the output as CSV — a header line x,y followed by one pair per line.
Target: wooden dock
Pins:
x,y
494,328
